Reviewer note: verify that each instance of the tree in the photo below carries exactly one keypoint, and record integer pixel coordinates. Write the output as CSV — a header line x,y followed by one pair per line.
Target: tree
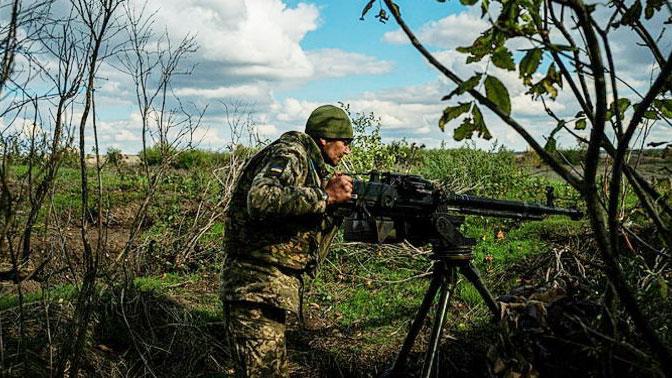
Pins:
x,y
577,38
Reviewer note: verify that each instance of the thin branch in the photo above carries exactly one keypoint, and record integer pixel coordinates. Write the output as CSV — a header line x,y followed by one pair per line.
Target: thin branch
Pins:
x,y
550,160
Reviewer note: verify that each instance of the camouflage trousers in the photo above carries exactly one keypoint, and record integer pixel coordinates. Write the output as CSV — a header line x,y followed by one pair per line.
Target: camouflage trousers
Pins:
x,y
256,335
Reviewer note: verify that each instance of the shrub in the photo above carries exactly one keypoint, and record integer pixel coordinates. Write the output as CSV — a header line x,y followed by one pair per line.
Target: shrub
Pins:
x,y
152,155
113,156
188,159
573,156
468,169
368,151
191,159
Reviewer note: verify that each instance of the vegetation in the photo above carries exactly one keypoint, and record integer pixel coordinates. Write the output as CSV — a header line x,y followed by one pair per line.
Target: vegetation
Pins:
x,y
366,294
109,268
581,56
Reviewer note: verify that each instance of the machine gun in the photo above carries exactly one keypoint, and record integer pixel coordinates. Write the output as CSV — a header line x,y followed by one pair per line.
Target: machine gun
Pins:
x,y
392,207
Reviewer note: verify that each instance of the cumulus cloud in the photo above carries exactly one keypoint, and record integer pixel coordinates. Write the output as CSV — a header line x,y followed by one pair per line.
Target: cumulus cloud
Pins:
x,y
292,110
124,135
338,63
246,37
246,91
208,138
267,130
454,30
22,127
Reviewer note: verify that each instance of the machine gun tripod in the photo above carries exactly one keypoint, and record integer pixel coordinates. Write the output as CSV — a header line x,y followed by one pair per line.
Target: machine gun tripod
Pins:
x,y
451,257
393,207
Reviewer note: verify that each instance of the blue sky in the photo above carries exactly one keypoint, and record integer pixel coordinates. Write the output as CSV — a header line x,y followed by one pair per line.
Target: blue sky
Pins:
x,y
283,58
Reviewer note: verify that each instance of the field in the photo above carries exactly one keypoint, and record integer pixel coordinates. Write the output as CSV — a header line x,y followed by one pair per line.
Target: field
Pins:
x,y
158,313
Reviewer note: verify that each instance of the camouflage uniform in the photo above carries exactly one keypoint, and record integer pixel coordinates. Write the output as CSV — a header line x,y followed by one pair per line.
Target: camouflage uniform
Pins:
x,y
276,230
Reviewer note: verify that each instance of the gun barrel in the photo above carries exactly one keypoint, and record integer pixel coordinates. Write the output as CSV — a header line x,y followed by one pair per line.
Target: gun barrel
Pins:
x,y
502,208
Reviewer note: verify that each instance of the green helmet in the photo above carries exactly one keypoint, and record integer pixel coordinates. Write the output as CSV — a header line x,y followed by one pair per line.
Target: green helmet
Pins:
x,y
329,122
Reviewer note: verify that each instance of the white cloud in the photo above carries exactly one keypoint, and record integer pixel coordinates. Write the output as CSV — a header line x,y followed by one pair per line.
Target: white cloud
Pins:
x,y
23,127
207,137
245,91
454,30
267,130
245,37
338,63
124,135
293,110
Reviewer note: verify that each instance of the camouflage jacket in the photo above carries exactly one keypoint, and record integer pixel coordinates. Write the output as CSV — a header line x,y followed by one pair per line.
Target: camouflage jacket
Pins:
x,y
277,226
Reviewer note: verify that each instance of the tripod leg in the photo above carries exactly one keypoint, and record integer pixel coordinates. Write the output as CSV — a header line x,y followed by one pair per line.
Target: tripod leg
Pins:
x,y
472,274
447,287
416,326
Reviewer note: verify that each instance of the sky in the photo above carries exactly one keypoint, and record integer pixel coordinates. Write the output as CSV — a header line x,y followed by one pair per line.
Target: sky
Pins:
x,y
283,58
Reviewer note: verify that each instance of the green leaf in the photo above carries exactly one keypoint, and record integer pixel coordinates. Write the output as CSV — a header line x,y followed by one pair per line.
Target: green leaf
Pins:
x,y
664,291
503,58
551,145
482,46
485,5
550,89
529,64
664,107
467,85
464,131
623,105
554,76
652,6
468,2
580,124
470,125
452,112
649,113
496,92
633,14
366,9
479,123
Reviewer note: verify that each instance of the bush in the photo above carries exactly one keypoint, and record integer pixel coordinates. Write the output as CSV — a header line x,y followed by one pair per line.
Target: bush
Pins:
x,y
152,155
573,156
192,159
70,158
113,156
187,159
368,151
468,169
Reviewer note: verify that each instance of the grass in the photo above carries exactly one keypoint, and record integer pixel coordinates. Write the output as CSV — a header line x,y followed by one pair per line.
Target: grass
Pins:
x,y
367,292
163,282
499,247
371,290
54,294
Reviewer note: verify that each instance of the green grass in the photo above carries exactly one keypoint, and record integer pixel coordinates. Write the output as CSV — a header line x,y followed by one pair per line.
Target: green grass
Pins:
x,y
162,283
528,239
468,294
370,290
214,234
54,294
378,306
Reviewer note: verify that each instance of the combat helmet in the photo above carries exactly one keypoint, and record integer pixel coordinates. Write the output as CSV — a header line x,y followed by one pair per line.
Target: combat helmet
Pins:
x,y
329,122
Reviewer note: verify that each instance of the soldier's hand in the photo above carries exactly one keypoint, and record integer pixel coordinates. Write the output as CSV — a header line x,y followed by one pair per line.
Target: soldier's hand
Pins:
x,y
339,189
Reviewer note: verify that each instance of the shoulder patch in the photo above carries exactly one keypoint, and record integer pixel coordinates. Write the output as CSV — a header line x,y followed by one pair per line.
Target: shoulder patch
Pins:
x,y
277,167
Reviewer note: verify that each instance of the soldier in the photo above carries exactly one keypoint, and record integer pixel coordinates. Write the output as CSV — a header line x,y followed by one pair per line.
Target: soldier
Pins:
x,y
279,227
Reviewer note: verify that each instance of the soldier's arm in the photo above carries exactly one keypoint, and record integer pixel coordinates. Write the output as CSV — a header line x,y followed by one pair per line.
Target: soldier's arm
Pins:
x,y
276,190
